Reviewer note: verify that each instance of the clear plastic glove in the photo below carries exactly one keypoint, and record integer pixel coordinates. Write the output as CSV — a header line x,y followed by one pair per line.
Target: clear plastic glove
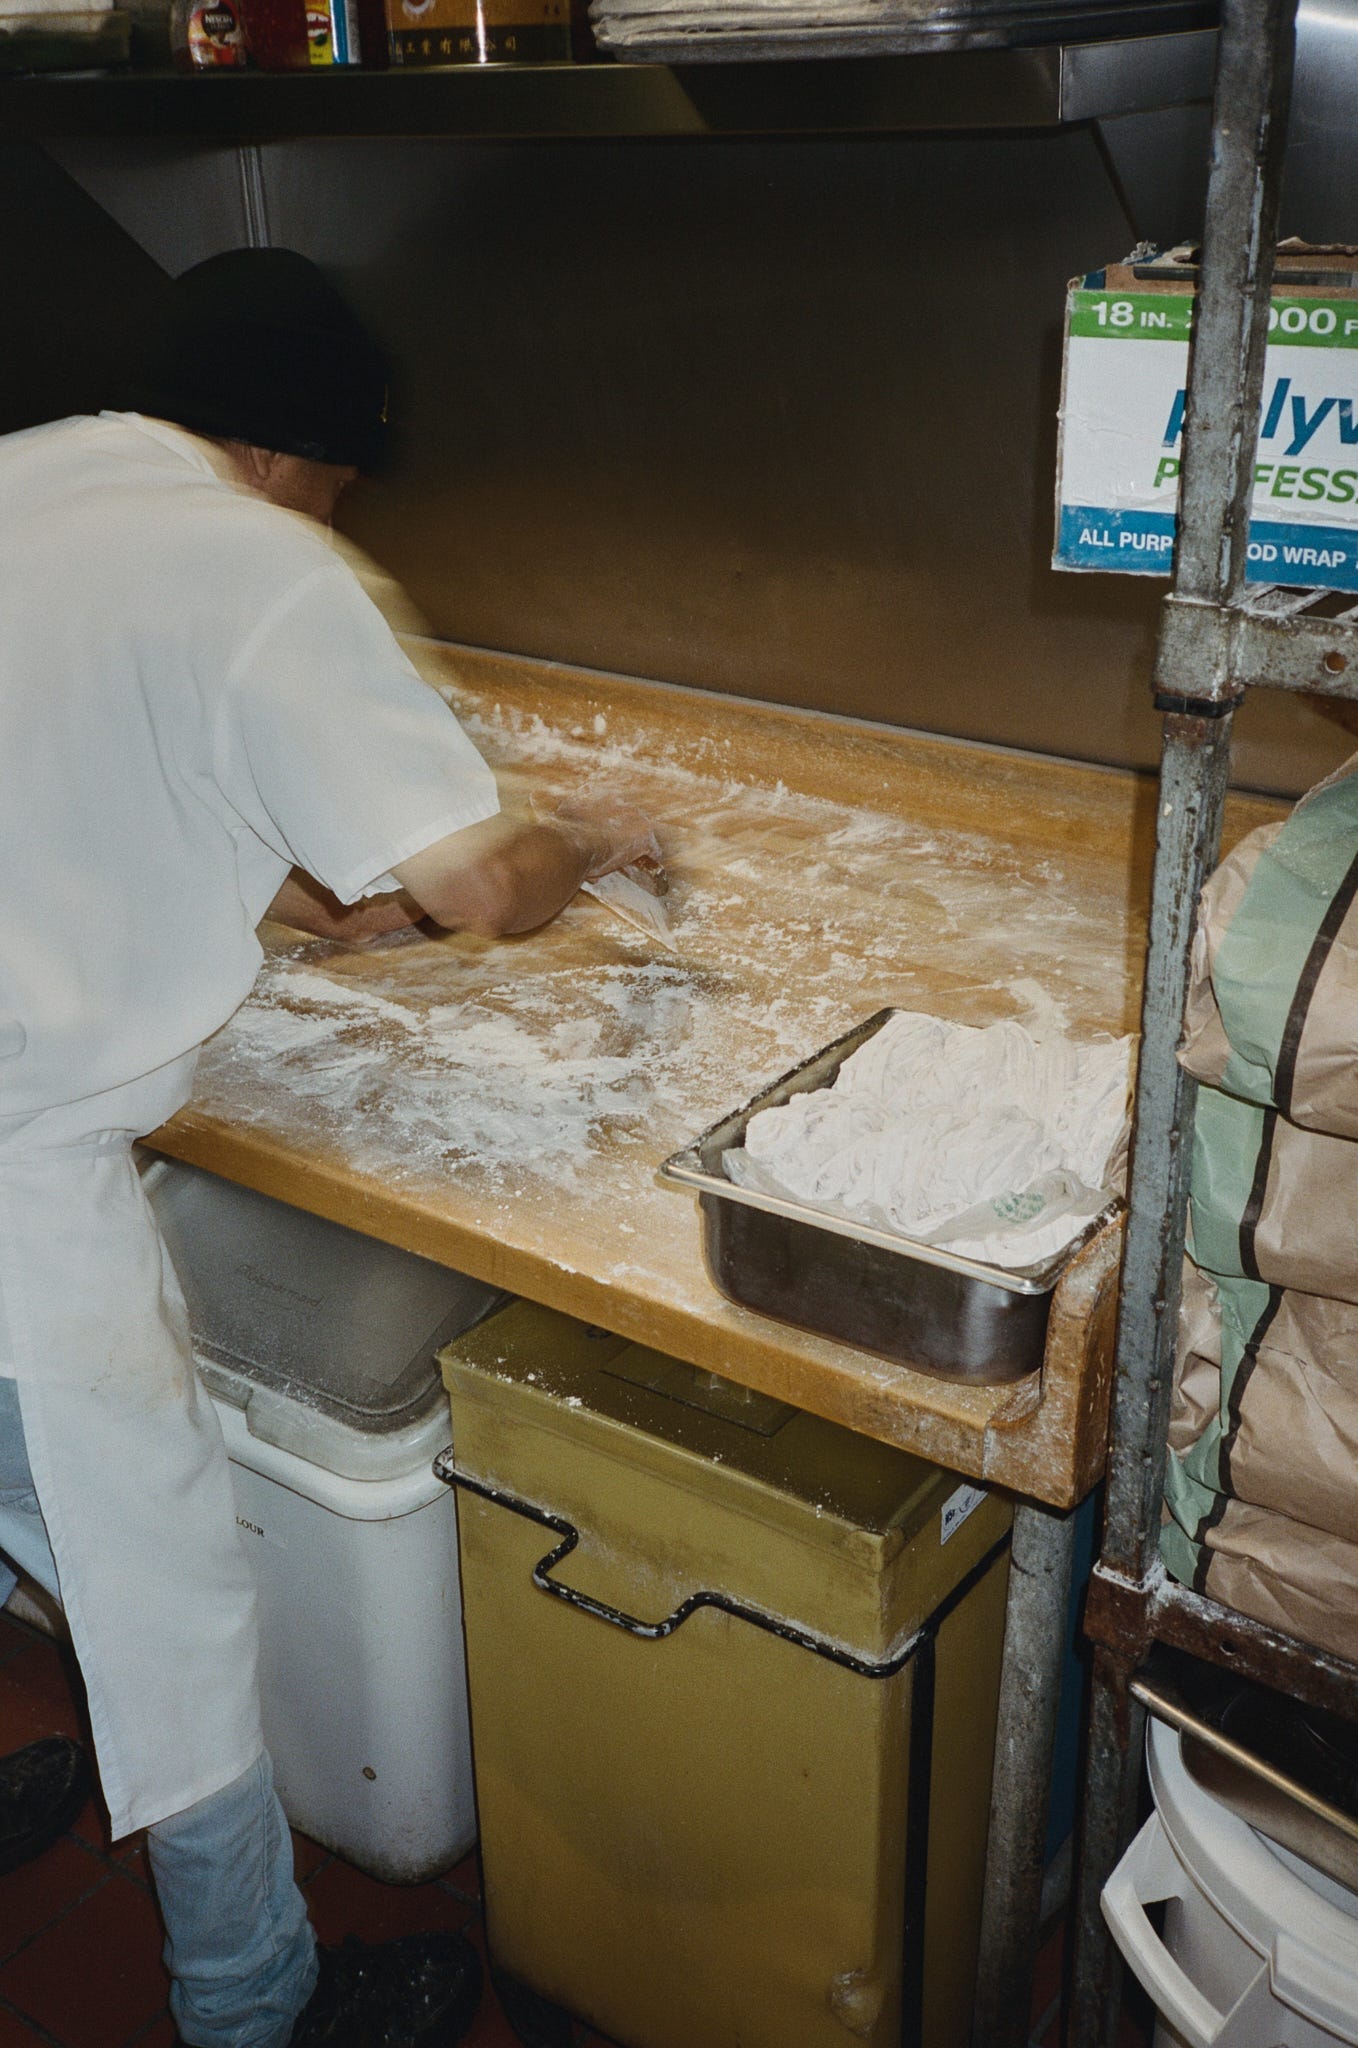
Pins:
x,y
620,836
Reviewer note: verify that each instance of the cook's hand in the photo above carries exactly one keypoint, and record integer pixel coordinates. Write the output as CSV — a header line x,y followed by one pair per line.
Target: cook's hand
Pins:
x,y
616,833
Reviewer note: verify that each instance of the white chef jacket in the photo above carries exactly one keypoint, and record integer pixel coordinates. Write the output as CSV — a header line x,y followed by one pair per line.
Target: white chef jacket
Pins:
x,y
195,695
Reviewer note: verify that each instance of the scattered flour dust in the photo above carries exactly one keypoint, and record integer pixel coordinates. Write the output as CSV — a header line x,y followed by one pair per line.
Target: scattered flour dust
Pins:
x,y
457,1083
586,1054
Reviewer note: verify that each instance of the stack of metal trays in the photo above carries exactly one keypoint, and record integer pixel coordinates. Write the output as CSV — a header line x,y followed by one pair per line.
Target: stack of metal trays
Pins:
x,y
62,38
707,31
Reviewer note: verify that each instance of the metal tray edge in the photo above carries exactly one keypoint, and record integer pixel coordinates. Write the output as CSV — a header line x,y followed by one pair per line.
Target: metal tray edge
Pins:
x,y
686,1169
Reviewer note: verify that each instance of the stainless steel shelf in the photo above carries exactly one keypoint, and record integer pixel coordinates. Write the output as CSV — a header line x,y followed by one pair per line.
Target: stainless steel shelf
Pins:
x,y
1036,88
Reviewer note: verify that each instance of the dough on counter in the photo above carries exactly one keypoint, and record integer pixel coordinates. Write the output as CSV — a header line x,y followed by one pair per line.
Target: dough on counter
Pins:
x,y
989,1142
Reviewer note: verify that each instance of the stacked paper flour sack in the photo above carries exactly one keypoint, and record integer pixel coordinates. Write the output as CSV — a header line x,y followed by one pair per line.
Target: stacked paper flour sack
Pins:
x,y
60,34
988,1144
1261,1495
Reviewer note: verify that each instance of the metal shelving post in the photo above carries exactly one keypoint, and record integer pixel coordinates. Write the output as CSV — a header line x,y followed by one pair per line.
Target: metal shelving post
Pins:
x,y
1216,639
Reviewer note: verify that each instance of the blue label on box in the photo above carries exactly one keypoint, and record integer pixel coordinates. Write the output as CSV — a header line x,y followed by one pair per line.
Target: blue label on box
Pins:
x,y
1099,537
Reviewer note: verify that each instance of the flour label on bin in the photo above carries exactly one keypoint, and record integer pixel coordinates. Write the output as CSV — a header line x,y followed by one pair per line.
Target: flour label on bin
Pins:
x,y
963,1501
258,1530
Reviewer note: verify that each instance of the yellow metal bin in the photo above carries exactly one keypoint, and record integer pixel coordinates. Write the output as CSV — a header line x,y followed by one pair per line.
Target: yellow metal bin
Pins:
x,y
733,1677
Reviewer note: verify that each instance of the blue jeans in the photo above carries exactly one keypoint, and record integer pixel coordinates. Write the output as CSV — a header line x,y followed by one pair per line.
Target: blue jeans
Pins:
x,y
238,1943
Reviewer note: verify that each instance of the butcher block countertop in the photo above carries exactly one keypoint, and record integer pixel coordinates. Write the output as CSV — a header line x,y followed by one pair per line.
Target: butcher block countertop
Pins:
x,y
503,1106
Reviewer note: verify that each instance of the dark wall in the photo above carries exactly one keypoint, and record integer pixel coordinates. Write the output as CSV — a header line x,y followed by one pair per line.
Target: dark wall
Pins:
x,y
772,418
70,275
777,420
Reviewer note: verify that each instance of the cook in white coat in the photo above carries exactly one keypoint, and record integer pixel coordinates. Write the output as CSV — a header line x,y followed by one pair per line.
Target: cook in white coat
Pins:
x,y
197,698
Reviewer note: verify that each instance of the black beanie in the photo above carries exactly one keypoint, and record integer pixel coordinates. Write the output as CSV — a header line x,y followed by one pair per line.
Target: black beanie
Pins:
x,y
256,345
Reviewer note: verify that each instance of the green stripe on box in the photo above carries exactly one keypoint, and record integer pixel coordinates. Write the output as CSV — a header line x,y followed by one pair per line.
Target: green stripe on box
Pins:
x,y
1131,316
1168,316
1314,331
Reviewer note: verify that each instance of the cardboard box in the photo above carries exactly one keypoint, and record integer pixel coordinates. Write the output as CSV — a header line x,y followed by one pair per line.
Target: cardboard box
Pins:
x,y
1122,408
478,31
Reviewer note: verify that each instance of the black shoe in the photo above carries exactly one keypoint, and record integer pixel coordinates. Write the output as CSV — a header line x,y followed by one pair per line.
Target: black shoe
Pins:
x,y
420,1991
42,1789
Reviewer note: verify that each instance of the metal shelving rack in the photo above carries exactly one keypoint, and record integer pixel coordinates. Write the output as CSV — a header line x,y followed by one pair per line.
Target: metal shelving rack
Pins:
x,y
1139,63
1217,639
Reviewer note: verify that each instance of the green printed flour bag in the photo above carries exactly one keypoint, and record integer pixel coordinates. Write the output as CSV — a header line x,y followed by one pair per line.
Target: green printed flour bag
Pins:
x,y
1273,1003
1271,1201
1262,1509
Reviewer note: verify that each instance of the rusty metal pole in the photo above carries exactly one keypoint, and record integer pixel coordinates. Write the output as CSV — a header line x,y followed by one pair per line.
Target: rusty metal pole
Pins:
x,y
1030,1693
1196,689
1193,783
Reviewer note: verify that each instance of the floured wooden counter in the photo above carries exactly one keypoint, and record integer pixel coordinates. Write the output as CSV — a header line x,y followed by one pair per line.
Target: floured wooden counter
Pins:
x,y
503,1107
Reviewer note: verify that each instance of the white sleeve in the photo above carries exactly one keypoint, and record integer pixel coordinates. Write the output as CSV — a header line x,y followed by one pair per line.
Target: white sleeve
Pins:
x,y
333,750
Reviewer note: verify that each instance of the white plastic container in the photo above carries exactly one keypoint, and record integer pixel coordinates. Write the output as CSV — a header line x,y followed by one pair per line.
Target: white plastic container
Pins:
x,y
362,1683
318,1348
1259,1949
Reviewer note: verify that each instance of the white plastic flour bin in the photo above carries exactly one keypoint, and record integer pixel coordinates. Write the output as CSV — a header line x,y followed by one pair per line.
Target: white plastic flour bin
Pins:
x,y
1258,1950
318,1347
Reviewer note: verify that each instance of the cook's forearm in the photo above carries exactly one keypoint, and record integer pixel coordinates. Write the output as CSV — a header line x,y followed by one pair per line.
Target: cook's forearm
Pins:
x,y
510,874
307,907
514,871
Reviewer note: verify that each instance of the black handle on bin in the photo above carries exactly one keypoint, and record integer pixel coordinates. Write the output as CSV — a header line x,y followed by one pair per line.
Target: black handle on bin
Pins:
x,y
655,1631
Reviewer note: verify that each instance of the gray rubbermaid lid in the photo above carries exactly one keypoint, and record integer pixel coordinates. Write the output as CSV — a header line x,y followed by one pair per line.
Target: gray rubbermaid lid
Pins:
x,y
340,1322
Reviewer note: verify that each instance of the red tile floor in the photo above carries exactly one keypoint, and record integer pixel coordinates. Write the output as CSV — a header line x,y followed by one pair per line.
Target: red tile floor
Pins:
x,y
80,1941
